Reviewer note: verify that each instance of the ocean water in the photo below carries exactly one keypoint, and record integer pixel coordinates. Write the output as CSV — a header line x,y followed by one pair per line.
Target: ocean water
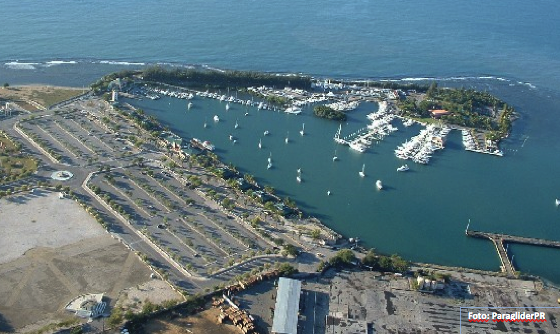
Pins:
x,y
509,48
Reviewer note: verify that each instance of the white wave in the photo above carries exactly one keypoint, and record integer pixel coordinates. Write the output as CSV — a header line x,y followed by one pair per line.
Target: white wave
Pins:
x,y
126,63
21,66
528,84
418,79
213,68
59,62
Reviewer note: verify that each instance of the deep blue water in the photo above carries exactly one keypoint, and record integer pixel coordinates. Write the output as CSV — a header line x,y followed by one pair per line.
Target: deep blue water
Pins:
x,y
510,48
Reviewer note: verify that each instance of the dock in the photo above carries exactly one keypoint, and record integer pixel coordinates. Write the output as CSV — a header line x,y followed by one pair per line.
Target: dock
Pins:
x,y
499,239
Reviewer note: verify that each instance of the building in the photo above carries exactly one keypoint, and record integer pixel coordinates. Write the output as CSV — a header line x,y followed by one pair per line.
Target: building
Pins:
x,y
437,113
287,306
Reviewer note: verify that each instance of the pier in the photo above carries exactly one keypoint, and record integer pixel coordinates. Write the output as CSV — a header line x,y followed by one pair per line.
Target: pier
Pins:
x,y
499,239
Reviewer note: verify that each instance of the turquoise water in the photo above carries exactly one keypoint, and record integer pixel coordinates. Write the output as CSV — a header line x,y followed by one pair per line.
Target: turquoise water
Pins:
x,y
507,47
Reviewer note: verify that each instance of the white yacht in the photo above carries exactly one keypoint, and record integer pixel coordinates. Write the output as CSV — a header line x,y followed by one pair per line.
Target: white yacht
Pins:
x,y
265,133
216,118
230,137
287,140
260,143
236,124
357,146
403,168
334,158
293,110
189,105
557,202
298,177
362,172
328,192
227,106
379,185
302,132
269,166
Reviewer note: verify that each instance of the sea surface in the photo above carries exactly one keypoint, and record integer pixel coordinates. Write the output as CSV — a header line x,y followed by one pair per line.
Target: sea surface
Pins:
x,y
509,48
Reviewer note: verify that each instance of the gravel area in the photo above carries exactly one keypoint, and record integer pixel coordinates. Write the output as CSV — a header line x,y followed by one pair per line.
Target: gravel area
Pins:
x,y
27,219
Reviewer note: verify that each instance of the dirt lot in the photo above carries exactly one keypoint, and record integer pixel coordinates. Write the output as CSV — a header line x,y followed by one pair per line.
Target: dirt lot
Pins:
x,y
202,323
53,251
33,97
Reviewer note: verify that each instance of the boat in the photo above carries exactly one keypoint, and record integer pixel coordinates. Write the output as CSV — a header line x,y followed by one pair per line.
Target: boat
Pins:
x,y
403,168
287,137
362,172
557,202
302,132
246,114
216,118
189,105
236,124
205,125
208,145
260,143
230,137
298,177
269,166
334,158
293,110
203,145
227,106
328,192
265,133
270,158
379,185
357,146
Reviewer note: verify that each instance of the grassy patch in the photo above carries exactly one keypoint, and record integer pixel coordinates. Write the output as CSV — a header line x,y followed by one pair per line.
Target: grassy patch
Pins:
x,y
53,96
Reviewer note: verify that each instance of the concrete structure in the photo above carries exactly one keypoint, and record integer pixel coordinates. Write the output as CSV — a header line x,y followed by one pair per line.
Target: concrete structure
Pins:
x,y
287,306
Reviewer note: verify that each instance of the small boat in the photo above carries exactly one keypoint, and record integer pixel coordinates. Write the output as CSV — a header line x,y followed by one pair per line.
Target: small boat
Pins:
x,y
265,133
270,158
379,185
362,172
334,158
298,178
287,137
246,114
189,105
269,166
328,192
205,124
236,124
557,202
403,168
227,106
230,137
260,143
216,118
302,132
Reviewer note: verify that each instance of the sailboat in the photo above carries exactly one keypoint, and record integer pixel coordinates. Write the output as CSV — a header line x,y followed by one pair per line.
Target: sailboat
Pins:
x,y
260,143
298,177
287,137
236,124
302,132
334,158
269,166
362,172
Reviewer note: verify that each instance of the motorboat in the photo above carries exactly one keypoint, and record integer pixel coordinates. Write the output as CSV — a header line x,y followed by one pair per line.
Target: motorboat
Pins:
x,y
362,172
189,105
302,132
357,146
260,143
216,118
227,106
379,185
236,124
403,168
265,133
557,202
328,192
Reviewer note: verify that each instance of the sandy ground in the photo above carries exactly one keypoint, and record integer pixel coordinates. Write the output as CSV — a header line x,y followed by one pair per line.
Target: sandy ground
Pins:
x,y
29,218
156,291
202,323
53,251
